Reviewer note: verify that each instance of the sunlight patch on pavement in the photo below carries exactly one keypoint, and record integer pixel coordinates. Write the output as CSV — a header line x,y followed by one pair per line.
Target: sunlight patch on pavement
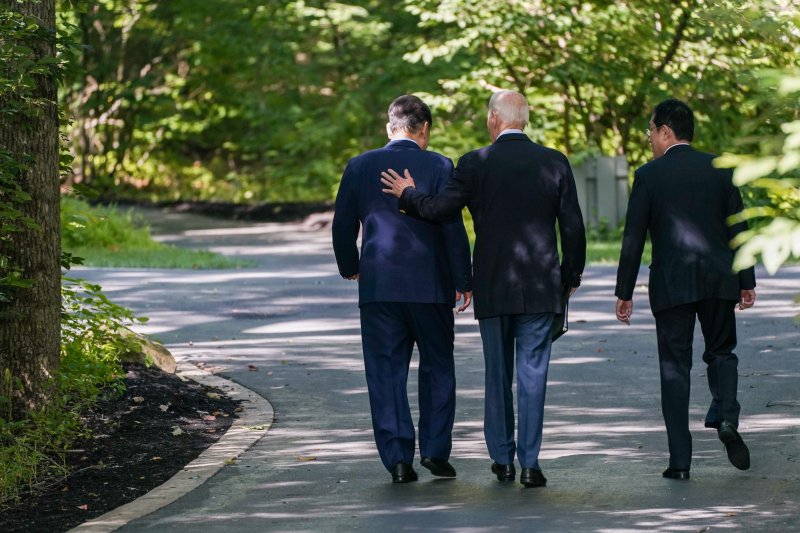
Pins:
x,y
605,429
307,326
669,519
595,411
161,322
246,249
770,422
577,360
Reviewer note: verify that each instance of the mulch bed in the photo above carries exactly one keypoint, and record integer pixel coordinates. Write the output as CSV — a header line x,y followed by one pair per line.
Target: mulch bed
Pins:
x,y
134,449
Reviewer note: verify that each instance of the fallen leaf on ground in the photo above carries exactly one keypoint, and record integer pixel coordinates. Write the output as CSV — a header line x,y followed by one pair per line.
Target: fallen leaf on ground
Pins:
x,y
156,458
213,395
164,407
177,431
786,403
230,460
306,458
138,399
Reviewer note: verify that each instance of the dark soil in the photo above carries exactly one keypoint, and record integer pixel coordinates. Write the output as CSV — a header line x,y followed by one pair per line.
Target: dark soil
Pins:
x,y
132,450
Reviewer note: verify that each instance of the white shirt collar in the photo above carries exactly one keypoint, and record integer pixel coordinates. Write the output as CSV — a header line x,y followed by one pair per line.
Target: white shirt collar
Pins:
x,y
508,130
676,144
402,138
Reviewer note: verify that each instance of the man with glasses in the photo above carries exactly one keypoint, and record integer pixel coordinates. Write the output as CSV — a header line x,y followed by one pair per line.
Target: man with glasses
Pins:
x,y
684,202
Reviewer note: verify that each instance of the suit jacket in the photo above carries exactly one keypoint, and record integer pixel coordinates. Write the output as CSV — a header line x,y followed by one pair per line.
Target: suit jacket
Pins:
x,y
516,190
402,259
684,202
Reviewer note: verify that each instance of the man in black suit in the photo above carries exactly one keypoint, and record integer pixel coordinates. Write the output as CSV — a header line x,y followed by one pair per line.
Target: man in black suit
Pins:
x,y
684,202
516,191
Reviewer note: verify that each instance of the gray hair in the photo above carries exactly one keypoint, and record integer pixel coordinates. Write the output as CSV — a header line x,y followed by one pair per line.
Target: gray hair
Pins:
x,y
511,107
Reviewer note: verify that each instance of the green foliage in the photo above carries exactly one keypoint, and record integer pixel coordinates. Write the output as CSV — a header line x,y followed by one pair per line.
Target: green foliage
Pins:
x,y
244,101
771,173
228,99
108,237
32,450
593,70
100,227
16,88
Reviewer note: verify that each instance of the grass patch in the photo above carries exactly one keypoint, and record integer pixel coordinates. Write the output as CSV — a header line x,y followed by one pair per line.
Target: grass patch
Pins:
x,y
32,450
162,256
108,237
606,252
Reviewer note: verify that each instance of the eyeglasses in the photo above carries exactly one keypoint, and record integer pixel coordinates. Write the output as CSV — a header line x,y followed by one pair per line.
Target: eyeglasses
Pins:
x,y
648,131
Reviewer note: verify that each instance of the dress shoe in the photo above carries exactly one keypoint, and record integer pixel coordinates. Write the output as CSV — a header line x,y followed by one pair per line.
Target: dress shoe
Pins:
x,y
530,477
403,473
738,454
674,473
438,467
504,472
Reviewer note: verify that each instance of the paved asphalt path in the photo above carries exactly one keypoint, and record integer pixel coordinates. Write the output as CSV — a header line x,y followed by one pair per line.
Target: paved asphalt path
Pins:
x,y
296,321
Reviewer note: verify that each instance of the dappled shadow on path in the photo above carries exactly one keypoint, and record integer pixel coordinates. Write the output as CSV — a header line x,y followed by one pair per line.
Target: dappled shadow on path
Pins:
x,y
290,331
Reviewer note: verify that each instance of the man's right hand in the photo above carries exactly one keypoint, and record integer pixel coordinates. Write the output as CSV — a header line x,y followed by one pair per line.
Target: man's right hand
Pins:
x,y
395,183
747,298
624,310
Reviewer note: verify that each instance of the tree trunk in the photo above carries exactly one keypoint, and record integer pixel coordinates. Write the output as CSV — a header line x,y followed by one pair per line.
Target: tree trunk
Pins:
x,y
30,324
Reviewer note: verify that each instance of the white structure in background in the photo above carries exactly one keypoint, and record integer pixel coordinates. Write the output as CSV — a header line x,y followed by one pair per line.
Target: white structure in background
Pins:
x,y
602,184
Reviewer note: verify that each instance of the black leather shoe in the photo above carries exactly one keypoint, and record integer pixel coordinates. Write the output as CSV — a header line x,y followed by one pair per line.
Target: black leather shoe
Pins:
x,y
504,472
738,454
403,473
530,477
673,473
438,467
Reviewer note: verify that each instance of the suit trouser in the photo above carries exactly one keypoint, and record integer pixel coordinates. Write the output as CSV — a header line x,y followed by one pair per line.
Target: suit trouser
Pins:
x,y
675,332
388,333
531,335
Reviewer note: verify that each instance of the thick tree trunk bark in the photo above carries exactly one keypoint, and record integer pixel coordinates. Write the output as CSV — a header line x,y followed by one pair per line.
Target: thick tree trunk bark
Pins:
x,y
30,324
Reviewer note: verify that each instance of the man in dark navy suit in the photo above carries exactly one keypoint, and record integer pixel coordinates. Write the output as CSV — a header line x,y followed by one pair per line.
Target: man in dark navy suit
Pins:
x,y
517,190
409,274
684,202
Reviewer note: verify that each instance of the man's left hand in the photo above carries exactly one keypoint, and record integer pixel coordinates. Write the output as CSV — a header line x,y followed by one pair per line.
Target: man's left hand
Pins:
x,y
395,183
746,299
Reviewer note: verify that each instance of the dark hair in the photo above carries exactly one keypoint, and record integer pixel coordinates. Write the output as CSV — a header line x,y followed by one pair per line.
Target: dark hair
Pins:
x,y
677,116
409,113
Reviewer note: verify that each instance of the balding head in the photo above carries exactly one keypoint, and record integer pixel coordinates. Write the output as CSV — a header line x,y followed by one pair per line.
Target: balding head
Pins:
x,y
507,109
511,108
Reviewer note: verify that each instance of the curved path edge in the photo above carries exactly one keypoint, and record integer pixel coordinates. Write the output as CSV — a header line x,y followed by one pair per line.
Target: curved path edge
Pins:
x,y
252,424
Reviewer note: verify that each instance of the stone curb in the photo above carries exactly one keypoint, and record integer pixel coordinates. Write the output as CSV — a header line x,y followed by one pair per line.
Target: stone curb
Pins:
x,y
252,424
